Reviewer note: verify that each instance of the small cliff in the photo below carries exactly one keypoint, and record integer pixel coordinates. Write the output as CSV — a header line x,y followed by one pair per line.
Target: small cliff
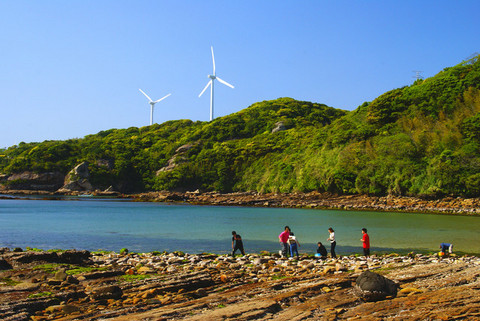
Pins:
x,y
49,181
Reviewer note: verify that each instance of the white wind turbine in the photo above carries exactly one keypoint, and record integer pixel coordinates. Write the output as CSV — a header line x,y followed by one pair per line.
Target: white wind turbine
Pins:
x,y
152,104
211,84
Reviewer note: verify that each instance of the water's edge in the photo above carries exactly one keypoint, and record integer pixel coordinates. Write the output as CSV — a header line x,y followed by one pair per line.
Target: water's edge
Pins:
x,y
313,200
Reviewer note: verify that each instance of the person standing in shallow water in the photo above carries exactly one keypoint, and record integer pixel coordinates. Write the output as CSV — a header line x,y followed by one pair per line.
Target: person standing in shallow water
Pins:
x,y
333,243
283,237
366,242
237,243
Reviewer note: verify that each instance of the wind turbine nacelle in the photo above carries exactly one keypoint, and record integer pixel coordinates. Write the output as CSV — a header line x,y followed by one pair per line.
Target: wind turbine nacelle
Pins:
x,y
211,76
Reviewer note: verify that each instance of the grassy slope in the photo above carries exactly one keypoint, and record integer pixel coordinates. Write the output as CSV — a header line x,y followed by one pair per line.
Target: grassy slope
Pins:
x,y
421,139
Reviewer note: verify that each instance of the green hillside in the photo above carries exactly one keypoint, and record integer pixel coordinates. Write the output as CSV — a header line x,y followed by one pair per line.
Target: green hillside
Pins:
x,y
422,139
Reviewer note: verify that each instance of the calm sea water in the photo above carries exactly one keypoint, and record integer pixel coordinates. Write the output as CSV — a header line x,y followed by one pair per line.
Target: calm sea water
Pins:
x,y
94,224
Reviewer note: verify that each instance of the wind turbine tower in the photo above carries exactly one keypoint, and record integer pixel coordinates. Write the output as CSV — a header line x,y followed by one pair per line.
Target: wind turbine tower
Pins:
x,y
152,104
211,83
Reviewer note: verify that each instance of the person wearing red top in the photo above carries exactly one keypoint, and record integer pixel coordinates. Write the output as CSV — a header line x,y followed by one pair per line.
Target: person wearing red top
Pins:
x,y
366,242
283,237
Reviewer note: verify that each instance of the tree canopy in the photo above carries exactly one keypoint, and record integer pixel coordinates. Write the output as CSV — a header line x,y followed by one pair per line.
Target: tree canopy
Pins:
x,y
422,139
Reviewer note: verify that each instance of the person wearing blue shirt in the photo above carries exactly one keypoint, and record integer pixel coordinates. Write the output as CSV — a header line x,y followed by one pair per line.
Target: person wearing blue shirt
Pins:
x,y
446,246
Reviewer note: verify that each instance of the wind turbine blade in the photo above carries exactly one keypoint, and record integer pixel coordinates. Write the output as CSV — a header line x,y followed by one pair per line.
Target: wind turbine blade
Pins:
x,y
150,99
209,83
213,59
224,82
156,101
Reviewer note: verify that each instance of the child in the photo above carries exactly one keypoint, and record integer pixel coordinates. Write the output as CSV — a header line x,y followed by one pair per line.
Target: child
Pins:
x,y
292,240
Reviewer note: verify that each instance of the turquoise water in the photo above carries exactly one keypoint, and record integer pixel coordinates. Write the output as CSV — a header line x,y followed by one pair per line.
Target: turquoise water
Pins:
x,y
94,224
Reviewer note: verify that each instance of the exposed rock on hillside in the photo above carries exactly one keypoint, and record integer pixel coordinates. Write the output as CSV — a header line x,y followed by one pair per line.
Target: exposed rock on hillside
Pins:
x,y
279,126
77,179
49,181
176,159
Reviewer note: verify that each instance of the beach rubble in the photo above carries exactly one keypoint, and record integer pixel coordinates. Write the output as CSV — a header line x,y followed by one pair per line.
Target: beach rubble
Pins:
x,y
178,286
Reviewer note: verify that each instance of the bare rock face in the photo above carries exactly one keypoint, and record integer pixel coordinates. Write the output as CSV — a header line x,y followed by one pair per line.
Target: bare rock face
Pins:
x,y
374,287
176,159
77,179
49,181
80,171
183,148
279,126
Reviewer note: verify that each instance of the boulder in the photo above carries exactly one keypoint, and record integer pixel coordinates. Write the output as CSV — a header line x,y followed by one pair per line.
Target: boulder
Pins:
x,y
374,287
145,270
4,265
260,261
106,292
72,280
77,179
81,170
60,275
340,267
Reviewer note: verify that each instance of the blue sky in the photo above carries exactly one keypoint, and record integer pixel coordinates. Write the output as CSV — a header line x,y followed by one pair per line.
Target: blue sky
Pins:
x,y
73,68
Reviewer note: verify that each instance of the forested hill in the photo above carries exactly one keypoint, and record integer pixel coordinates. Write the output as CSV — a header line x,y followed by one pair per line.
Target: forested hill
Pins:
x,y
422,140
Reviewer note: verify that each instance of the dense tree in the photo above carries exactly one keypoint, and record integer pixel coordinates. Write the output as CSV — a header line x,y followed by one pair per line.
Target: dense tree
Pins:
x,y
422,139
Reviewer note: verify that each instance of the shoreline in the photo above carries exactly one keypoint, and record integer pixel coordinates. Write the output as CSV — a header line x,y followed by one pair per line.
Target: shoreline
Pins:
x,y
79,285
311,200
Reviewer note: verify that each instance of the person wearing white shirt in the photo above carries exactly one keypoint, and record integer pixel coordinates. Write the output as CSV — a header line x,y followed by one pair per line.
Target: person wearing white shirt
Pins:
x,y
333,243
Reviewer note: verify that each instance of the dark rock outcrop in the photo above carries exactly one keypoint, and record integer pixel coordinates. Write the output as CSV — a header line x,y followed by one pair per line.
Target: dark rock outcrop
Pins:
x,y
68,257
374,287
106,292
49,181
4,265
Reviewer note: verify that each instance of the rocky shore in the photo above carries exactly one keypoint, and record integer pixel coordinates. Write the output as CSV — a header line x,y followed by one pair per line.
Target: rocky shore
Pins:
x,y
78,285
446,205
